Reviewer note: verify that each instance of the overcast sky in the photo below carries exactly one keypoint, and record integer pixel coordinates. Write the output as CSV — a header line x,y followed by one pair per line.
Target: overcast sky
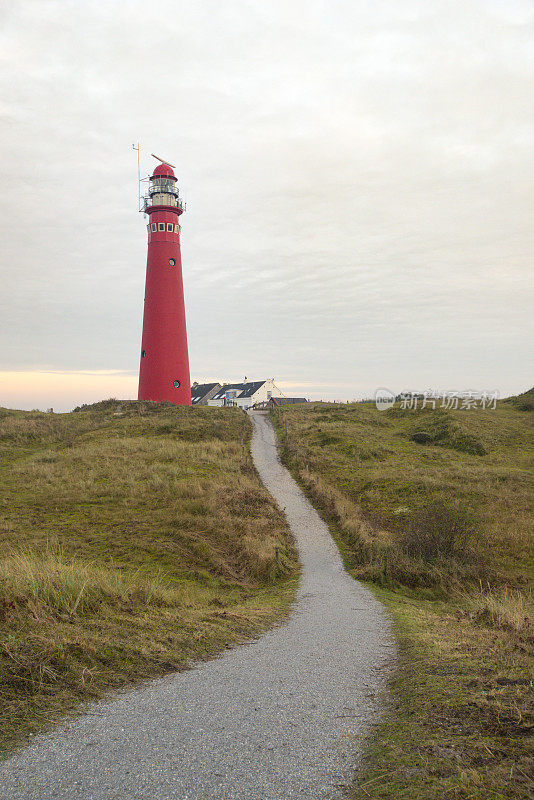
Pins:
x,y
358,177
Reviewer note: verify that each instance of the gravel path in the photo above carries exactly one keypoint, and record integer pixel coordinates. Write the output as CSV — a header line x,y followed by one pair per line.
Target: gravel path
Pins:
x,y
283,717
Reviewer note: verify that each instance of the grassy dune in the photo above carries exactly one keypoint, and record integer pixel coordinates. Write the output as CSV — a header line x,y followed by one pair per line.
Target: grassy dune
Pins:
x,y
135,538
434,509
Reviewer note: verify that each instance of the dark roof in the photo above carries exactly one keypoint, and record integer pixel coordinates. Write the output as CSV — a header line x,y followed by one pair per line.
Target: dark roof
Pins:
x,y
243,389
201,390
250,388
222,391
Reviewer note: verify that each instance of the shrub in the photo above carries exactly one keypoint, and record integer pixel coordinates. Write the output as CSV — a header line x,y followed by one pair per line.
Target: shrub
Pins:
x,y
439,529
440,430
421,437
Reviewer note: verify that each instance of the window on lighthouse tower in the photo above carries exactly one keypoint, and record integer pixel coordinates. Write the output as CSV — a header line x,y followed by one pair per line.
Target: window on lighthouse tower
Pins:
x,y
170,226
161,226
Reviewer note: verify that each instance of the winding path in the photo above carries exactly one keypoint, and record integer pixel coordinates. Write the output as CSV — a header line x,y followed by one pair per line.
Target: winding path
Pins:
x,y
283,717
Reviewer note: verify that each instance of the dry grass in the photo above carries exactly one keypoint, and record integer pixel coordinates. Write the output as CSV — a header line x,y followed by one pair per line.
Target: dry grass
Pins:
x,y
68,587
434,509
507,610
135,538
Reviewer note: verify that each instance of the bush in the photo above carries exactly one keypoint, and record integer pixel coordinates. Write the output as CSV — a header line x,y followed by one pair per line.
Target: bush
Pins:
x,y
438,530
466,443
421,437
440,430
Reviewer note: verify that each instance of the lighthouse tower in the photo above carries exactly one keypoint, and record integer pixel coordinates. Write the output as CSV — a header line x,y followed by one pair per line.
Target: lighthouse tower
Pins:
x,y
164,370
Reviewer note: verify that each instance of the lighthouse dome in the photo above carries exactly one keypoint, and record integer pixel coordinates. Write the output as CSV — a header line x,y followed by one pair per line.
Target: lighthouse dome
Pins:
x,y
164,171
163,189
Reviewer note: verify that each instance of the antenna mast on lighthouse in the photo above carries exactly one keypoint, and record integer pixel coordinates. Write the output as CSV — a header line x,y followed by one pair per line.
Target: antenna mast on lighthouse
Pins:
x,y
138,173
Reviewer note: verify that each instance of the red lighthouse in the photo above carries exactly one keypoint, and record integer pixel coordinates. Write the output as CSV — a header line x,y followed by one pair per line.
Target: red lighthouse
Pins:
x,y
164,370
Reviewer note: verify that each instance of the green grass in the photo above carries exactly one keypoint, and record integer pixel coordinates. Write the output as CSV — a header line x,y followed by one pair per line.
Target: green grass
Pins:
x,y
136,538
440,526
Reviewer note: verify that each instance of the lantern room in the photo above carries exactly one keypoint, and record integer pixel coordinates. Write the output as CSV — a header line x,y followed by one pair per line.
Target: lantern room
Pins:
x,y
163,190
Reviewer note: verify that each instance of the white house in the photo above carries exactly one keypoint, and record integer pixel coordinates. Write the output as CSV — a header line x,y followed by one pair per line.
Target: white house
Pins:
x,y
245,395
